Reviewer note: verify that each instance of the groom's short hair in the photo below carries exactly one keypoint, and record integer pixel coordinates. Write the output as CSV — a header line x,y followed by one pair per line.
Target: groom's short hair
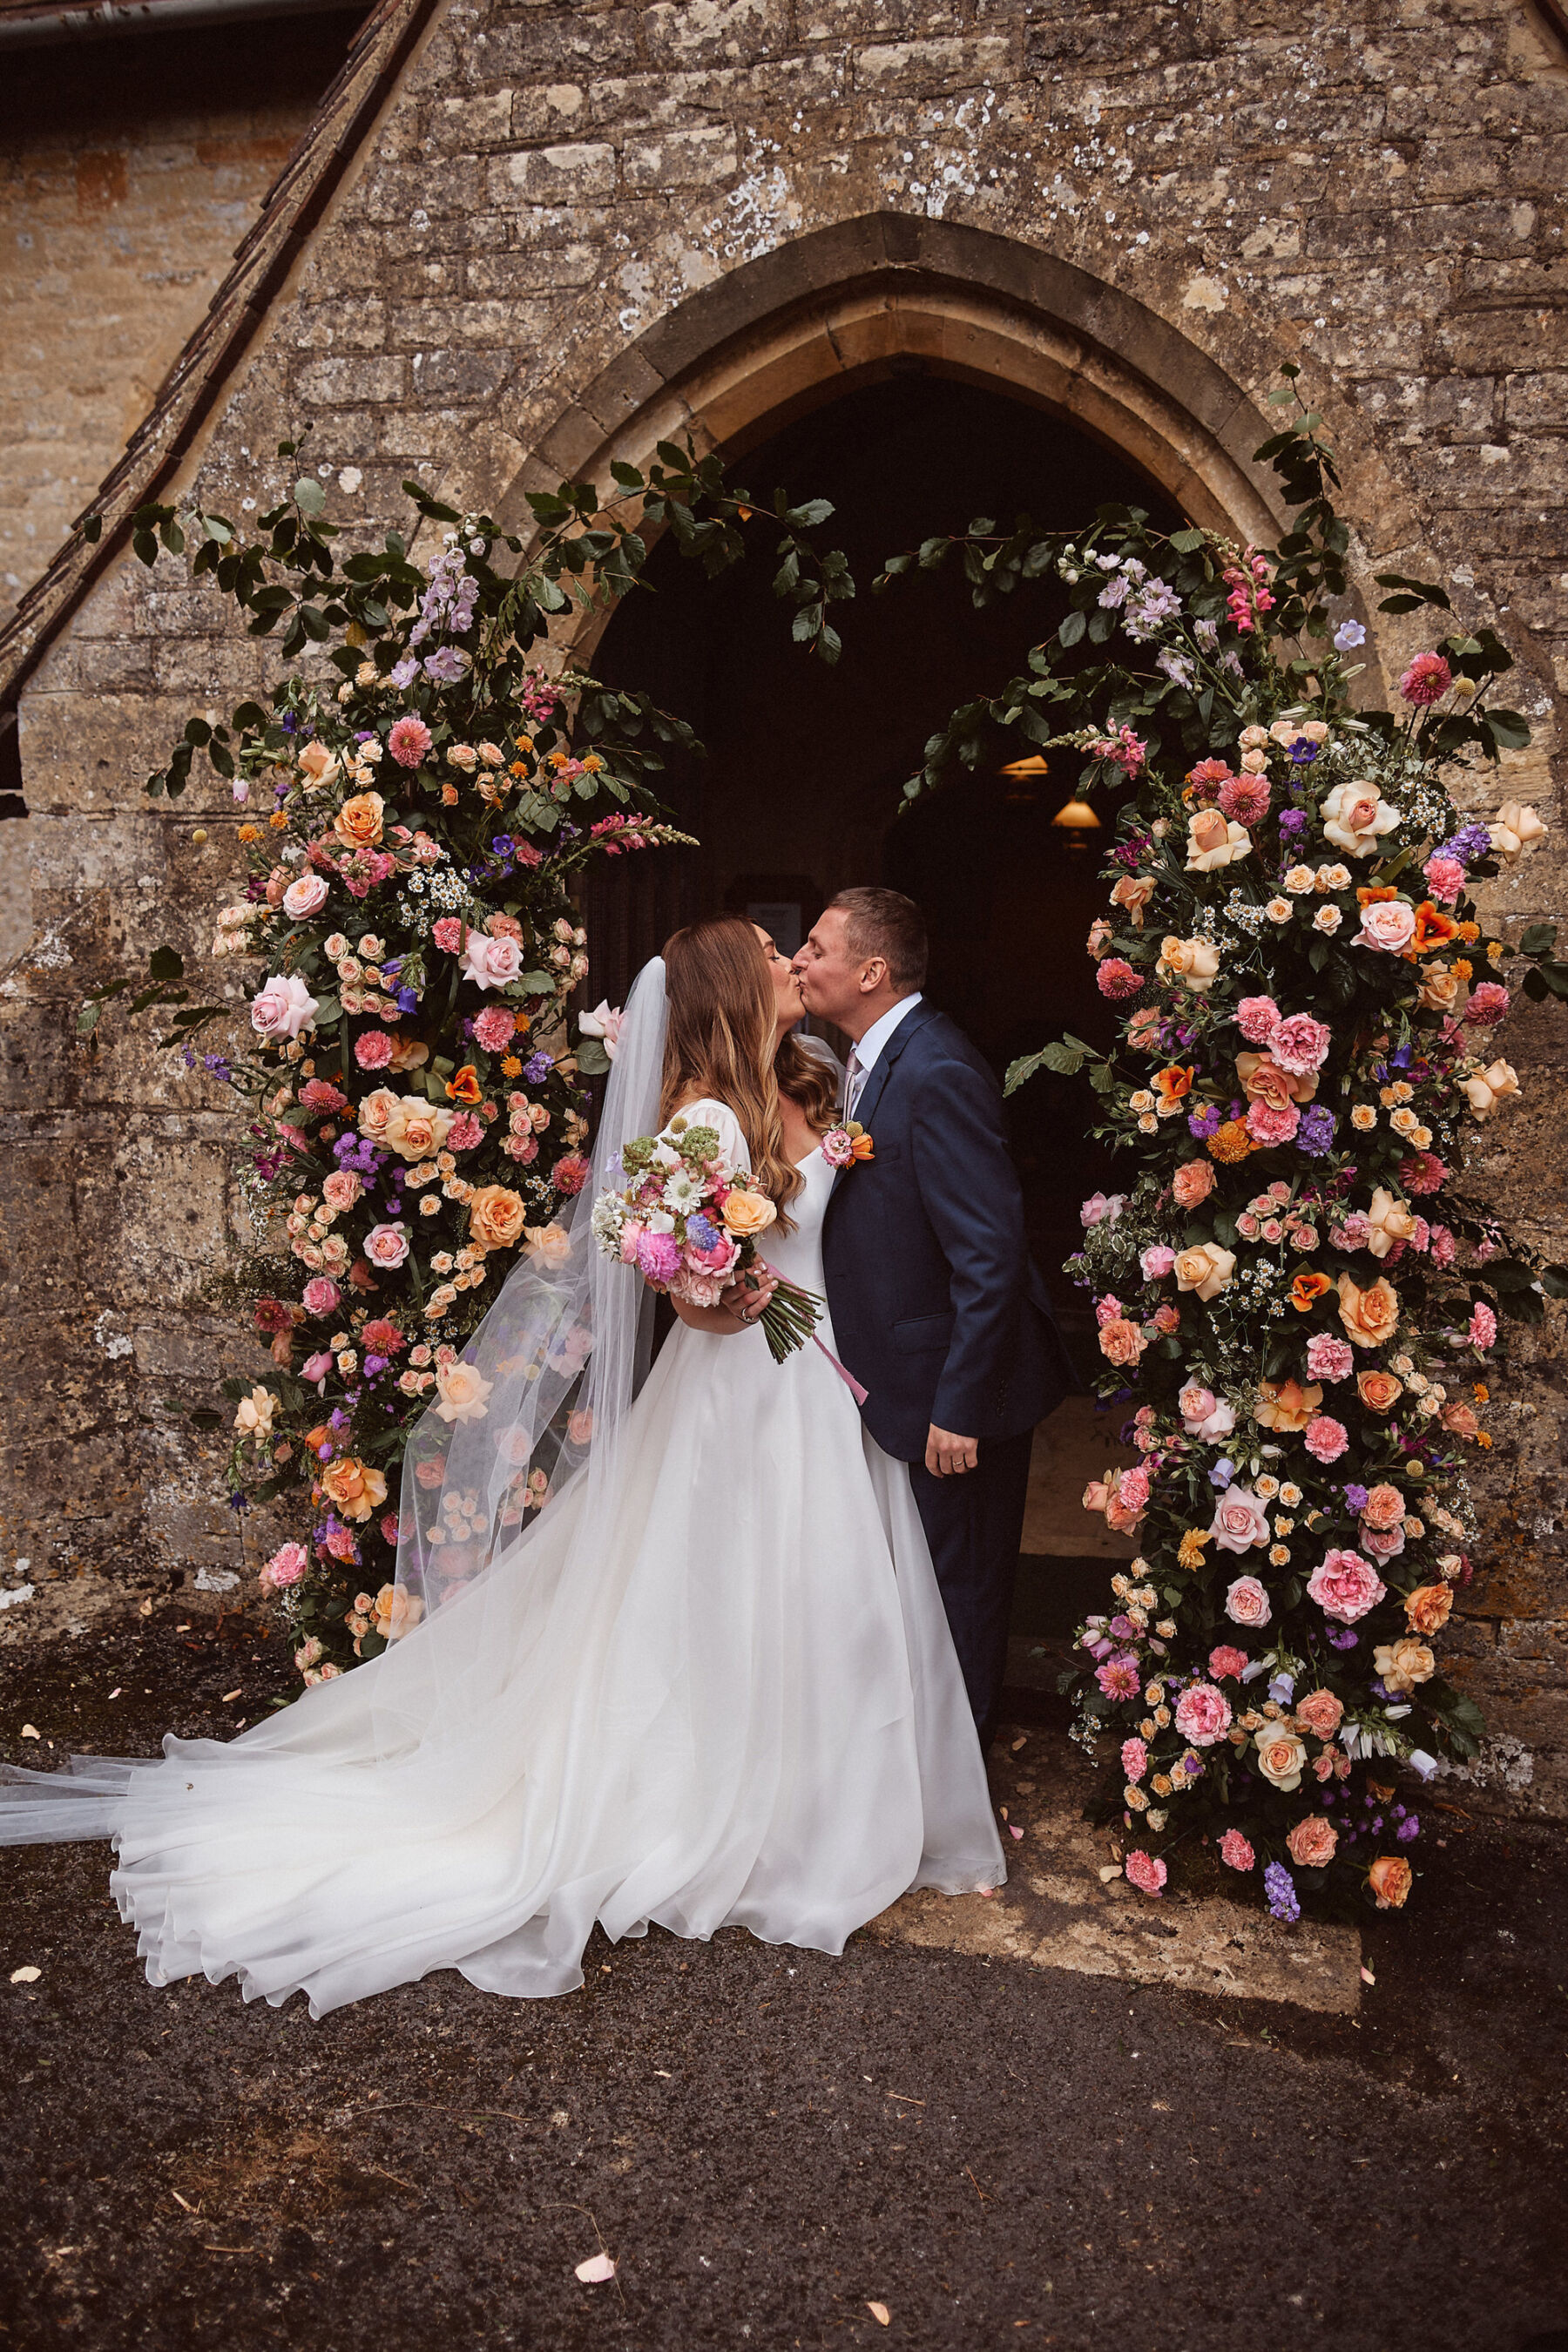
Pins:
x,y
884,923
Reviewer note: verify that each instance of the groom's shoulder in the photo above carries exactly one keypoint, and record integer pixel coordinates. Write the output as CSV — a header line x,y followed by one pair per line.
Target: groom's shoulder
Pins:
x,y
939,1039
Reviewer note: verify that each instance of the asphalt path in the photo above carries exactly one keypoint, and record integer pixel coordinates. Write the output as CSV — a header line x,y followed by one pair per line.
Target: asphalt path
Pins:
x,y
775,2148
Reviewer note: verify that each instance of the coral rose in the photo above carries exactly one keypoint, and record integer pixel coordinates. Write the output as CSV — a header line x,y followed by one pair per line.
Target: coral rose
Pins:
x,y
358,822
1460,1421
1281,1756
1428,1609
1121,1342
1312,1842
352,1487
1390,1879
1320,1713
497,1217
1263,1079
1193,1182
748,1213
1379,1392
1384,1508
1205,1268
1345,1586
1370,1317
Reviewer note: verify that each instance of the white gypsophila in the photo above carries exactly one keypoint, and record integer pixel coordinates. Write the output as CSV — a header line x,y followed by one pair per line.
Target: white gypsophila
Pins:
x,y
606,1220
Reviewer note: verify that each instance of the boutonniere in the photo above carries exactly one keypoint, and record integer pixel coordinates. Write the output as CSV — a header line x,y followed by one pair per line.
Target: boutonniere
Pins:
x,y
842,1146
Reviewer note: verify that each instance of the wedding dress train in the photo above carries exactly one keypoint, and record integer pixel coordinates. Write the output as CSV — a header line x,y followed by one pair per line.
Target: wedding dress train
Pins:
x,y
738,1705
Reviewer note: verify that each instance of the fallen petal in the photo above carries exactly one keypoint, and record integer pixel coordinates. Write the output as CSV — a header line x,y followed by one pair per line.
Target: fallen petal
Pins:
x,y
25,1975
881,2314
226,1696
596,2270
31,1731
1012,1831
1107,1873
1367,1976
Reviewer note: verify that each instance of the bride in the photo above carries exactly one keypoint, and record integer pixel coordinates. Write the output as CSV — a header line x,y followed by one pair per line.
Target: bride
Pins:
x,y
676,1650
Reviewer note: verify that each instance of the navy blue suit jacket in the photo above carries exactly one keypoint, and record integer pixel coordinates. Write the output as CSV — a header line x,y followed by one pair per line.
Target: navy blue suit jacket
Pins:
x,y
937,1307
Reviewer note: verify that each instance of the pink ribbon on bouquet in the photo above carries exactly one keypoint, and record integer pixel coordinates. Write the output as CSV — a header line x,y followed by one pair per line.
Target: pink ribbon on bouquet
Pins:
x,y
844,1374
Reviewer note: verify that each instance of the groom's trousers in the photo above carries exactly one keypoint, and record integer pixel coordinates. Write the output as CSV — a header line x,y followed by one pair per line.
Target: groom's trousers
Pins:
x,y
974,1521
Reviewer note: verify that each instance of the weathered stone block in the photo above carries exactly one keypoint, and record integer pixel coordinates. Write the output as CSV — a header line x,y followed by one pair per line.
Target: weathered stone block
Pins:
x,y
683,159
554,176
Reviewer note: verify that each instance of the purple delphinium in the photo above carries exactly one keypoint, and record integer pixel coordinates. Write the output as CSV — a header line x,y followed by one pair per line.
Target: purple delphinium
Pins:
x,y
1315,1134
1280,1889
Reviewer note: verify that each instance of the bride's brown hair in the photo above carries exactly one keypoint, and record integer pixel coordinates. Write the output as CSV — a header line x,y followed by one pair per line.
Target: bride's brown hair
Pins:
x,y
720,1042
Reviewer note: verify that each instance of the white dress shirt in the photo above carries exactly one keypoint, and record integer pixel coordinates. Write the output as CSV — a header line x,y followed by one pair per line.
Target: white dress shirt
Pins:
x,y
869,1049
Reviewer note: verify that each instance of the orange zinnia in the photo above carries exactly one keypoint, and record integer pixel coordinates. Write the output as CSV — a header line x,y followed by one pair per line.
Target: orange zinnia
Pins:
x,y
465,1087
1174,1082
1230,1141
1308,1287
1433,929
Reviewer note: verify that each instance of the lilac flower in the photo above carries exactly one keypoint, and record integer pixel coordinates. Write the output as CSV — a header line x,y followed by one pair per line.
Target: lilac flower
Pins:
x,y
405,672
1348,635
1114,592
1471,841
1280,1889
1315,1135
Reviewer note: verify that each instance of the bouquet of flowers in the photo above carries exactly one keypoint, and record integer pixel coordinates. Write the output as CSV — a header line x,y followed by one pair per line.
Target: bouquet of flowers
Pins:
x,y
690,1228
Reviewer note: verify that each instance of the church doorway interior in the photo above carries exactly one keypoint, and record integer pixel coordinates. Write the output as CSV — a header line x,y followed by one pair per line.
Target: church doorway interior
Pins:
x,y
799,795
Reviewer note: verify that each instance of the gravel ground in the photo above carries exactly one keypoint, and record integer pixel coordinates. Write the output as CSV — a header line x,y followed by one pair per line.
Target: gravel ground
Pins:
x,y
774,2146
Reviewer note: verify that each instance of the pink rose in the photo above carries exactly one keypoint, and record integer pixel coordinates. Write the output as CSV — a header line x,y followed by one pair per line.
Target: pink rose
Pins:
x,y
386,1245
1147,1872
304,897
1384,1508
321,1296
1239,1523
1326,1438
1388,924
1204,1416
494,1028
1246,1602
1157,1261
1121,1342
1258,1017
1328,1359
1134,1758
1312,1842
1100,1205
1345,1586
1226,1663
282,1008
1486,1004
317,1367
372,1049
1299,1044
492,962
1234,1851
1382,1543
1202,1714
408,742
342,1189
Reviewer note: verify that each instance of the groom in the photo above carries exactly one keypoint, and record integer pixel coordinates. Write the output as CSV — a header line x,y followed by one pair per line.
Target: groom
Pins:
x,y
936,1306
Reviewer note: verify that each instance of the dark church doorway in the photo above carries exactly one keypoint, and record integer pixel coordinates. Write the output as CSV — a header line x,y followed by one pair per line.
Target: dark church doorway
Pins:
x,y
800,792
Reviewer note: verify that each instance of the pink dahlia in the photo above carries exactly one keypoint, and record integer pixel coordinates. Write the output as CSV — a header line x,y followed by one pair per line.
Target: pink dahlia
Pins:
x,y
1326,1438
408,742
319,1094
571,1172
1258,1017
1134,1758
1488,1003
1234,1851
1245,800
1299,1044
1116,977
1328,1359
658,1256
1146,1871
1423,1171
1118,1677
1427,680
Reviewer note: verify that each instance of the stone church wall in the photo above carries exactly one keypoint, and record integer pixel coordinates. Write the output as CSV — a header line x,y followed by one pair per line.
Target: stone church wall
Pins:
x,y
562,210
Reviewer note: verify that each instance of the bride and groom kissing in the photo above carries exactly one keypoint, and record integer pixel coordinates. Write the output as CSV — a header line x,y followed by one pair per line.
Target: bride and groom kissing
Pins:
x,y
741,1667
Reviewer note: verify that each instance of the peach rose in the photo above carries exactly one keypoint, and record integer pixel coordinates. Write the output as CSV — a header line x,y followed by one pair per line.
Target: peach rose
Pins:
x,y
1428,1609
413,1128
461,1391
1384,1508
1491,1086
748,1213
1194,962
1121,1342
1439,989
496,1217
1460,1421
397,1611
1286,1404
1370,1317
1263,1079
1281,1756
358,822
1391,1220
352,1487
1517,829
1401,1664
1390,1879
1354,819
317,765
1133,892
375,1113
1193,1182
1379,1392
1214,840
1312,1842
1206,1268
549,1245
1320,1713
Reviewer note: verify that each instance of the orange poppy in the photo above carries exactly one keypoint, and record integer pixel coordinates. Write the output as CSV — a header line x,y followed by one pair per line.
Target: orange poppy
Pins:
x,y
1307,1288
1174,1082
465,1087
1433,929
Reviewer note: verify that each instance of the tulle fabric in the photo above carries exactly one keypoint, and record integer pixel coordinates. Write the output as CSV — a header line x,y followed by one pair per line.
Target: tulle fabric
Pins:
x,y
711,1685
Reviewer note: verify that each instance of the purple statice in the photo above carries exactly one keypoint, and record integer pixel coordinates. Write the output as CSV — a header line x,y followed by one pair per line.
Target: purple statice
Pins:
x,y
1409,1828
536,1068
1471,841
1356,1499
1343,1637
1206,1122
1280,1889
1315,1135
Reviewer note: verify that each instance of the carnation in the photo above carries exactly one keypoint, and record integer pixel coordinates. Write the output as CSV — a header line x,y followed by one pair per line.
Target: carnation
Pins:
x,y
1258,1017
494,1028
1226,1663
1328,1359
1146,1871
1326,1439
1235,1852
372,1049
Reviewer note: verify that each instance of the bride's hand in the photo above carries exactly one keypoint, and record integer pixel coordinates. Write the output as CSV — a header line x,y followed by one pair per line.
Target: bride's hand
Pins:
x,y
746,1299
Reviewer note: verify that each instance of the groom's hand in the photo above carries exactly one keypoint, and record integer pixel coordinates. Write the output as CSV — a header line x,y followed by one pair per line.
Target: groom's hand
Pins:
x,y
946,1455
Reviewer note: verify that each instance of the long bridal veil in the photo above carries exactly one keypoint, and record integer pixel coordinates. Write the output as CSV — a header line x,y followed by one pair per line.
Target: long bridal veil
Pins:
x,y
520,1456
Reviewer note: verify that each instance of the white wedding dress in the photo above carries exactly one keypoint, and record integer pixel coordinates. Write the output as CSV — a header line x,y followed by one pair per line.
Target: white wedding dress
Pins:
x,y
740,1707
